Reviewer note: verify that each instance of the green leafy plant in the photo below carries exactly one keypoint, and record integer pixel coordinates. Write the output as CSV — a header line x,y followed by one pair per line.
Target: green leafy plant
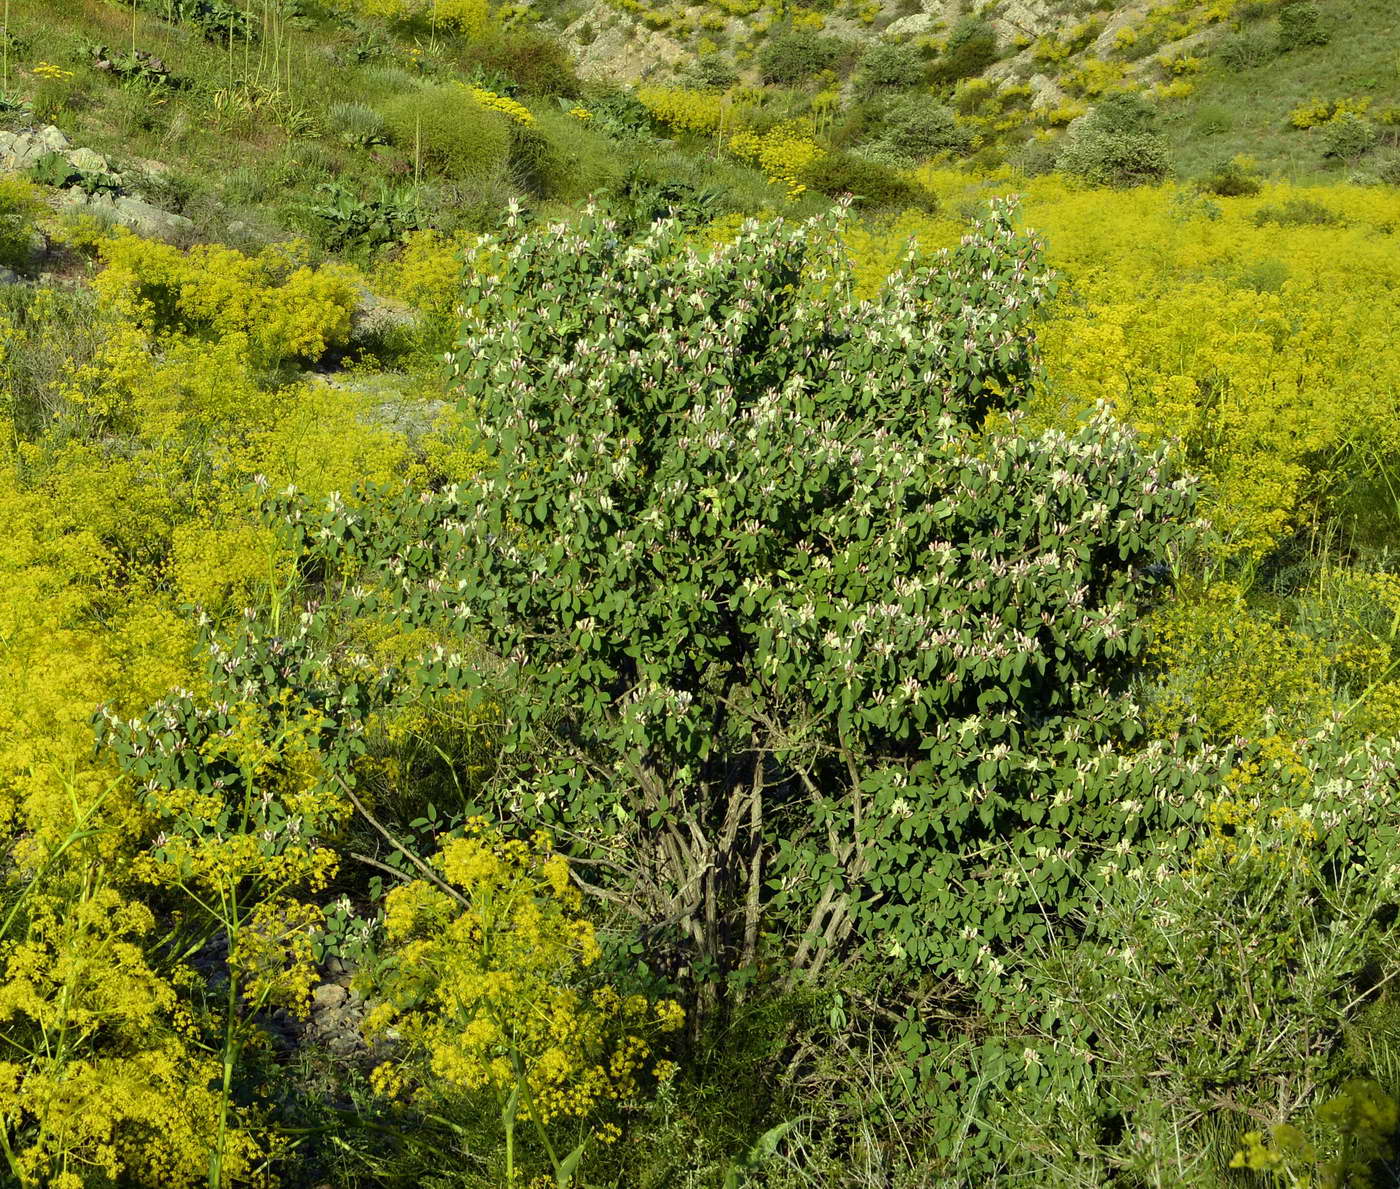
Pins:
x,y
346,222
1301,25
54,169
795,55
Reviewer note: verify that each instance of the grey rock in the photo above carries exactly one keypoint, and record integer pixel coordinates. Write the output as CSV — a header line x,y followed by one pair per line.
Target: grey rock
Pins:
x,y
327,996
52,139
148,220
9,277
21,150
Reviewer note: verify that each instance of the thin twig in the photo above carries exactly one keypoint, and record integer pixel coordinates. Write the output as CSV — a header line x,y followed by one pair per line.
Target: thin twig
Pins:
x,y
427,871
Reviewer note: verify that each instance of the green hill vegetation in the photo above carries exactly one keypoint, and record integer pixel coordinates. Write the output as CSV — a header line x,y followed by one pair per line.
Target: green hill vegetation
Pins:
x,y
719,595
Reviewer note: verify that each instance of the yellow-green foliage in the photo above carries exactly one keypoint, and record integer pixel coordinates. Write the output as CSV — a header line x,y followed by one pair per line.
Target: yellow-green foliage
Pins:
x,y
1096,77
1241,674
447,131
502,103
1266,351
1324,111
685,110
139,500
273,302
471,17
485,985
783,153
19,205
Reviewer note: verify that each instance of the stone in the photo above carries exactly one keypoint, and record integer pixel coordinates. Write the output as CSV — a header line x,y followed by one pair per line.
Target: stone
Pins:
x,y
8,276
52,140
21,150
327,996
915,25
152,222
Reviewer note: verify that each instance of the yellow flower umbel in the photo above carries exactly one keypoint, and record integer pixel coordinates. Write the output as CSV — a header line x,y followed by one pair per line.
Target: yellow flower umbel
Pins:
x,y
483,987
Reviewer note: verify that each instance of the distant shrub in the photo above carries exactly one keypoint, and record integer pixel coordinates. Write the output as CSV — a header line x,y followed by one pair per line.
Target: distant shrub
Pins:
x,y
972,47
715,70
872,184
1248,48
452,134
1229,179
1117,145
917,129
891,64
1116,159
1301,25
1387,169
796,54
1348,137
1297,212
532,62
1124,112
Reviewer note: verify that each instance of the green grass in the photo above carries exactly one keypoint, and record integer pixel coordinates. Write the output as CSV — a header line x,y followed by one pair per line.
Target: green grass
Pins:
x,y
1237,112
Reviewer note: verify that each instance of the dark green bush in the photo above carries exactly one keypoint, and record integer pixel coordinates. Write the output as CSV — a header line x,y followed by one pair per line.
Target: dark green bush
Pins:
x,y
715,70
891,64
1117,159
450,134
971,48
1300,25
1247,48
871,184
1117,145
1297,212
1229,179
917,129
525,60
1127,113
1348,137
794,55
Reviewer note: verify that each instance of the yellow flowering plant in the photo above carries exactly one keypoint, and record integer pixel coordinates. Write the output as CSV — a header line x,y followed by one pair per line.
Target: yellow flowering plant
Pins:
x,y
484,977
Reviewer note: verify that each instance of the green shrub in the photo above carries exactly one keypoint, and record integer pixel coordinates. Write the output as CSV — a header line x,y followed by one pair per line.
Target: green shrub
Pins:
x,y
1297,212
1229,179
1348,136
715,70
870,183
1300,25
716,586
1126,113
915,128
1248,48
449,132
558,158
1117,145
891,64
1115,159
795,55
523,59
971,48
